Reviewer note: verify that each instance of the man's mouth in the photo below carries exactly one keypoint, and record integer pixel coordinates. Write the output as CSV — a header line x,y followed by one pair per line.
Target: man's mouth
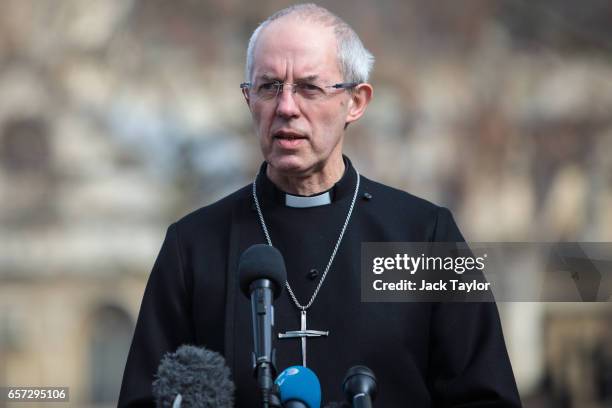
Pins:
x,y
288,134
288,139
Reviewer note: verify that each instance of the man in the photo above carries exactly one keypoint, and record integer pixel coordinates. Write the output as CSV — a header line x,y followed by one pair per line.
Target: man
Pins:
x,y
307,75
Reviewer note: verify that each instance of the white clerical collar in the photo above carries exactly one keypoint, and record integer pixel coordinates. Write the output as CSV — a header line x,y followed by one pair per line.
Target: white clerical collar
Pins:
x,y
305,202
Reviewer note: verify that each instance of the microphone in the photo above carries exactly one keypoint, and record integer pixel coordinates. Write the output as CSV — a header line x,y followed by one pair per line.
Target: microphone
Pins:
x,y
360,386
262,275
299,387
193,377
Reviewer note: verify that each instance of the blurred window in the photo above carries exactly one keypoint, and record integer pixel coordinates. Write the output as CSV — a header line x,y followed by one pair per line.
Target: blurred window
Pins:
x,y
24,145
111,335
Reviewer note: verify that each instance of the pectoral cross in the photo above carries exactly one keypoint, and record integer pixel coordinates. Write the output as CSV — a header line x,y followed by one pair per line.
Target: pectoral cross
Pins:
x,y
302,334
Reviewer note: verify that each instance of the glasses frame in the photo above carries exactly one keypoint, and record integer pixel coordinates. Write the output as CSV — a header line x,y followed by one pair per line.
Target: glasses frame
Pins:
x,y
245,86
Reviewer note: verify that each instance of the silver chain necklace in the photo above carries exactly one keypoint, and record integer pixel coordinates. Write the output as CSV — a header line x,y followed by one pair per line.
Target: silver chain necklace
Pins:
x,y
331,258
304,333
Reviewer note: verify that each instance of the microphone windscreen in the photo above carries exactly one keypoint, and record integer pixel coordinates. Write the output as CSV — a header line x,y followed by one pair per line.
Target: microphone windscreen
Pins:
x,y
262,261
199,375
299,383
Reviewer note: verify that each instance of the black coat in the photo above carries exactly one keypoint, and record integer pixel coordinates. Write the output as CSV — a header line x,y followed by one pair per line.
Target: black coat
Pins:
x,y
423,354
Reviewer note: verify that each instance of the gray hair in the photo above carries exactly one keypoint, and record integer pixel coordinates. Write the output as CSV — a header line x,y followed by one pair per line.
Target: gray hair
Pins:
x,y
355,60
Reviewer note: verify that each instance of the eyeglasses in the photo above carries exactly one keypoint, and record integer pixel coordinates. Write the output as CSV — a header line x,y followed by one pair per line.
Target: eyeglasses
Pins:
x,y
306,90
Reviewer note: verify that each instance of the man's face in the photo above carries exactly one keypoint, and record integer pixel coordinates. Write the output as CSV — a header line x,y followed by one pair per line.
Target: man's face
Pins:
x,y
298,136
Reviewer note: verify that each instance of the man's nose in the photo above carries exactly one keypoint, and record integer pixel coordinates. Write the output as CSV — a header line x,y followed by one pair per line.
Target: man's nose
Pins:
x,y
287,105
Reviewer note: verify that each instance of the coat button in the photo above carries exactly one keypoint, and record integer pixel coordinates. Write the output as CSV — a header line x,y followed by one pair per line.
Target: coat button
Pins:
x,y
367,196
313,274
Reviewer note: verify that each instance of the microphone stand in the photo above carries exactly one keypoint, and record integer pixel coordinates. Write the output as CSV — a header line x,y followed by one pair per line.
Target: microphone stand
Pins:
x,y
269,393
263,357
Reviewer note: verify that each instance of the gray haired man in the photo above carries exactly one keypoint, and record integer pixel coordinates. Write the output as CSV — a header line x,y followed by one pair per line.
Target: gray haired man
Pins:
x,y
306,81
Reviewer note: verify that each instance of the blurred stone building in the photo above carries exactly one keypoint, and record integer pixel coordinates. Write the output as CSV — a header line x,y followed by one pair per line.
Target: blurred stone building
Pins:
x,y
118,117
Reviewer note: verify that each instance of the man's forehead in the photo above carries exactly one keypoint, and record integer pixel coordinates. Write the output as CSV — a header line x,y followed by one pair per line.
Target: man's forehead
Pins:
x,y
302,68
308,72
271,76
304,48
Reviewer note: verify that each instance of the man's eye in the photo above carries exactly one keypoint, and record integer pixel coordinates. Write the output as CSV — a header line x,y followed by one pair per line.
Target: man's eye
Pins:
x,y
309,87
309,90
269,86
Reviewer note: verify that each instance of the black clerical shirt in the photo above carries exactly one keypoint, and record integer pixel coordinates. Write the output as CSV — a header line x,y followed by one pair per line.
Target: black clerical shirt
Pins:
x,y
423,354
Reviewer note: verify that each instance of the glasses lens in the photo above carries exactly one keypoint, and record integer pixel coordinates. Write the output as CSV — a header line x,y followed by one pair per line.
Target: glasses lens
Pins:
x,y
304,90
268,90
309,90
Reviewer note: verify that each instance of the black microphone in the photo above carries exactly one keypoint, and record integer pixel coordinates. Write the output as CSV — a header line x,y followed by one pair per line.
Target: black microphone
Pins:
x,y
262,276
193,377
360,386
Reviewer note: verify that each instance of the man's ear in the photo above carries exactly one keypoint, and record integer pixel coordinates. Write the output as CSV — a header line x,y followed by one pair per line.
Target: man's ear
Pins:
x,y
360,98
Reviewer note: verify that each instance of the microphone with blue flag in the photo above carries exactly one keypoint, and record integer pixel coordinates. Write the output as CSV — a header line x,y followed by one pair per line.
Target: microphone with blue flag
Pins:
x,y
299,387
